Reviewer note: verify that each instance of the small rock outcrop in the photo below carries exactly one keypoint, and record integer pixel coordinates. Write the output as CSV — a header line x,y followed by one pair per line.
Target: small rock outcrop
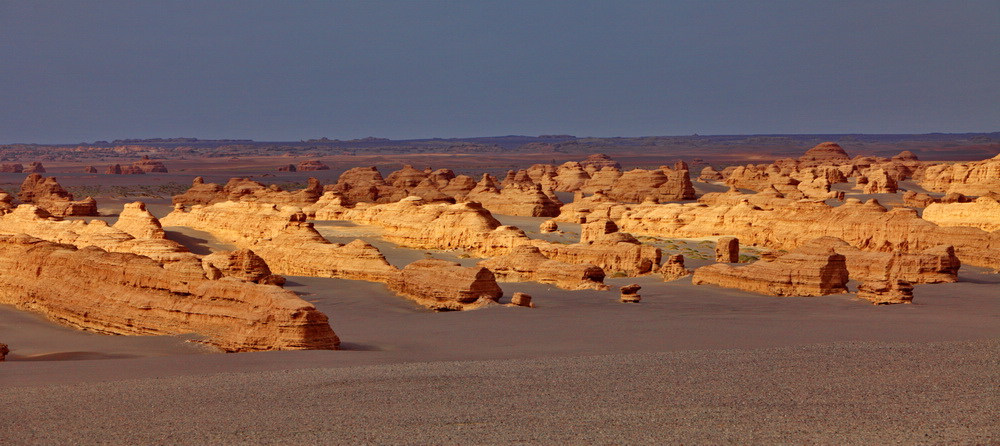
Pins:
x,y
673,268
242,264
727,250
4,350
886,292
630,293
807,271
312,165
548,226
522,300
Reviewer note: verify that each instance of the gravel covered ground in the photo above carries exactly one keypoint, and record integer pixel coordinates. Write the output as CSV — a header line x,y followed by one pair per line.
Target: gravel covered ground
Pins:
x,y
842,393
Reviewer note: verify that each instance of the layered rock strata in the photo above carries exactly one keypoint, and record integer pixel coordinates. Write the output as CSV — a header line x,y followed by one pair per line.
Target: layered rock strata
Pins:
x,y
727,250
445,286
527,264
984,213
807,271
47,194
127,294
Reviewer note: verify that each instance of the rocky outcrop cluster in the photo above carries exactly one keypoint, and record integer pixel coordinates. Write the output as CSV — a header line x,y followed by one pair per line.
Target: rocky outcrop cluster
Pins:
x,y
242,264
807,271
11,168
984,213
245,189
932,265
868,226
969,178
46,193
128,294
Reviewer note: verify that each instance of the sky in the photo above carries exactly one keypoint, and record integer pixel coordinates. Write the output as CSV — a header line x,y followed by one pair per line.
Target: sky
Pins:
x,y
80,71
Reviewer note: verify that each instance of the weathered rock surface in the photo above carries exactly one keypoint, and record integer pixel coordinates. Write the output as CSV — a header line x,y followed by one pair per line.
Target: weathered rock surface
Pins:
x,y
879,182
598,161
984,214
917,199
47,194
35,167
517,198
521,300
11,168
150,166
673,268
969,178
443,285
127,294
312,165
663,184
242,264
527,264
548,226
932,265
807,271
867,226
709,174
630,293
886,292
282,237
827,153
138,222
727,250
4,350
244,189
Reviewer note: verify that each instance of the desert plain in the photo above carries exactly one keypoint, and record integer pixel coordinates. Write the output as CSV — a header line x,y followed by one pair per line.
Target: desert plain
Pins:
x,y
781,289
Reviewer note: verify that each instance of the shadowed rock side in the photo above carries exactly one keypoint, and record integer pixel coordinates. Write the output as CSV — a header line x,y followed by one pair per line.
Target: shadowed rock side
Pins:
x,y
970,178
242,264
135,220
4,350
527,263
47,194
243,189
810,270
127,294
984,213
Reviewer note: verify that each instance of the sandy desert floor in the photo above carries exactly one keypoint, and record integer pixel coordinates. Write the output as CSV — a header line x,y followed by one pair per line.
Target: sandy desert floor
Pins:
x,y
692,364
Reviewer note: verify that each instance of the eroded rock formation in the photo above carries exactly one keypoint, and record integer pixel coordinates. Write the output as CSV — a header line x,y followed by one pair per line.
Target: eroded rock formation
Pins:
x,y
727,250
886,292
127,294
244,189
47,194
630,293
807,271
673,268
527,263
984,214
443,285
969,178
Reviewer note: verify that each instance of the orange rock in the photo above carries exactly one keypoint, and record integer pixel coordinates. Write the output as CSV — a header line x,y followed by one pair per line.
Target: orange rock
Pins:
x,y
527,263
519,299
630,293
984,214
114,293
150,166
242,264
548,226
312,165
727,250
244,189
709,174
807,271
886,292
969,178
933,265
47,194
4,350
917,200
673,268
138,222
443,285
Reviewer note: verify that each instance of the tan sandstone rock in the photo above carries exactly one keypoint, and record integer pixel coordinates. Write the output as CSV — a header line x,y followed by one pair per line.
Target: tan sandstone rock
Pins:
x,y
673,268
47,194
630,293
984,214
127,294
886,292
727,250
443,285
807,271
527,263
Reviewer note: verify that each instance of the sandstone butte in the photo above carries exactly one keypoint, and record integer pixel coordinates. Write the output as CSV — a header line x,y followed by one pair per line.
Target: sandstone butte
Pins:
x,y
244,189
868,226
984,213
709,174
118,169
150,166
128,294
809,270
47,194
468,226
518,197
444,286
970,178
292,246
312,165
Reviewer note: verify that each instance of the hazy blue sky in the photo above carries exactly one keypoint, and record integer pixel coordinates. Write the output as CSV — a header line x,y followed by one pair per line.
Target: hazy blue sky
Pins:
x,y
82,71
